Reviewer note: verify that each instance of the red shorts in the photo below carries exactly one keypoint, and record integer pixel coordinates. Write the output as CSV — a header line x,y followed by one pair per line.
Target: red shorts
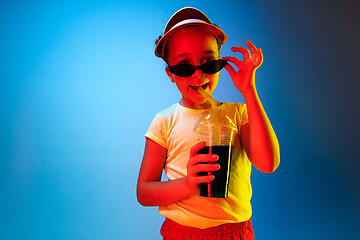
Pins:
x,y
171,230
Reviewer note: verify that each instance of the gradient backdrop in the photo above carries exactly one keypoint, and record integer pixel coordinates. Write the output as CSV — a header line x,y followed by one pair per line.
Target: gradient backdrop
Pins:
x,y
80,85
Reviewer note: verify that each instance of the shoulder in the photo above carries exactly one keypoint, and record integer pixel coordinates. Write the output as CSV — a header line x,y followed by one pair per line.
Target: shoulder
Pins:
x,y
237,111
170,110
159,128
233,107
167,114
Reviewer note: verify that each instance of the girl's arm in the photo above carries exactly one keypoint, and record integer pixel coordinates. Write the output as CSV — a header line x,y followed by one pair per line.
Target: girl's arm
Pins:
x,y
258,136
151,191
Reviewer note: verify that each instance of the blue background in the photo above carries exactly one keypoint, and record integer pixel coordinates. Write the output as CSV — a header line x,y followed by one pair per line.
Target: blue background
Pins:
x,y
80,85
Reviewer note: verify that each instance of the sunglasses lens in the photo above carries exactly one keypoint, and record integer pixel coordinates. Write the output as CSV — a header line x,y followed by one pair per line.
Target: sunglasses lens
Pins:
x,y
212,67
183,70
186,70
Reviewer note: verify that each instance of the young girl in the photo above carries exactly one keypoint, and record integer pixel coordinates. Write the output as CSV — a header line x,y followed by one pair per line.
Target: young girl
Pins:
x,y
190,46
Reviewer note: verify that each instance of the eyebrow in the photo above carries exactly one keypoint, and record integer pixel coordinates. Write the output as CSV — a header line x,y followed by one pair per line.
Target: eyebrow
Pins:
x,y
181,55
187,54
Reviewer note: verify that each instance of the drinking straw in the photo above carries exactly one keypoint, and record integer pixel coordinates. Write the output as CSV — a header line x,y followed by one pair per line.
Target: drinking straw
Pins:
x,y
208,97
214,114
214,135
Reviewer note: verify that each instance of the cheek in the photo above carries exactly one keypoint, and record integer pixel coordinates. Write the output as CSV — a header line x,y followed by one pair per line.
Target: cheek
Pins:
x,y
214,79
179,84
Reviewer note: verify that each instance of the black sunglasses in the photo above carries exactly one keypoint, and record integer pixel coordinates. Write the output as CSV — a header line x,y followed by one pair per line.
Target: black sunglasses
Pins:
x,y
186,70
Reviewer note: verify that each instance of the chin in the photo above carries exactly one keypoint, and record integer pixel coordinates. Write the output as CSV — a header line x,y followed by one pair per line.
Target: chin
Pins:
x,y
199,101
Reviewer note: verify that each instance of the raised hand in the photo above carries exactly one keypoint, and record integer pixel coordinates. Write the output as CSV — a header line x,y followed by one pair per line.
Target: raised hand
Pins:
x,y
244,78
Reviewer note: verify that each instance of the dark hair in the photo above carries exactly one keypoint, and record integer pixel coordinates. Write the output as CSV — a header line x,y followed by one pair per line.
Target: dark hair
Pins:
x,y
158,39
165,49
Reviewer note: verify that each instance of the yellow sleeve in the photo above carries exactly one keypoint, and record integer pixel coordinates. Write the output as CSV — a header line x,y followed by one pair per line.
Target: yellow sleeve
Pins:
x,y
242,114
157,130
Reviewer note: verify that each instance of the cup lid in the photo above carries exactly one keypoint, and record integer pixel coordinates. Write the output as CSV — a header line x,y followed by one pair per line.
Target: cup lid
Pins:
x,y
206,121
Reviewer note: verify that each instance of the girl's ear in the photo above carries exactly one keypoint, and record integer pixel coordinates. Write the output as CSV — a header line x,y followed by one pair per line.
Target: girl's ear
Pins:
x,y
169,74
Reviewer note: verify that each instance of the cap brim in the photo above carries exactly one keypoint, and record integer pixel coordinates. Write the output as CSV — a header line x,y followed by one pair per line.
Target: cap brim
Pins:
x,y
216,31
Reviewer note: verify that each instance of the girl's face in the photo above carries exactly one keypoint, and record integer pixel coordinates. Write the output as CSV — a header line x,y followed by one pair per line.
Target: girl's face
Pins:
x,y
193,45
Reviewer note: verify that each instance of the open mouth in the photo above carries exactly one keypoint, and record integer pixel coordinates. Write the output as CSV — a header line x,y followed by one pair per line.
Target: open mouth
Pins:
x,y
196,87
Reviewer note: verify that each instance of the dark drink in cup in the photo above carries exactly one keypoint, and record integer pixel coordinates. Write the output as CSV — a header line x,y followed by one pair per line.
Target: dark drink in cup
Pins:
x,y
217,188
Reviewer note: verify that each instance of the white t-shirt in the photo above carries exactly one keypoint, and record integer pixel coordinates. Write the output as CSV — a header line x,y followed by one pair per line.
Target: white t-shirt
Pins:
x,y
172,128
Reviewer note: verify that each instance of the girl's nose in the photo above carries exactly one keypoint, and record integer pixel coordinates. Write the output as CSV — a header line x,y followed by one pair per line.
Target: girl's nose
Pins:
x,y
198,73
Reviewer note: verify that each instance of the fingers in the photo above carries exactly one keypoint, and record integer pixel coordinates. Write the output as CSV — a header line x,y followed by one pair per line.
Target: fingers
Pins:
x,y
201,173
255,56
201,163
230,68
196,158
251,46
194,149
202,158
244,51
259,61
206,167
234,60
204,179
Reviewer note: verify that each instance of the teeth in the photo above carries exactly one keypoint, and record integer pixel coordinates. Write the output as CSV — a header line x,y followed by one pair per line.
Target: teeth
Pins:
x,y
200,85
196,86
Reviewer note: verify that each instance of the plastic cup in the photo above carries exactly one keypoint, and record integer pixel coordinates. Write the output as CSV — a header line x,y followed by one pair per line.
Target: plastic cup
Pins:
x,y
219,137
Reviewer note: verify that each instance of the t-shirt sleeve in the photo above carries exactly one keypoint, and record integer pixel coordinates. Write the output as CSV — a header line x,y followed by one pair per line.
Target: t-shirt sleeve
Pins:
x,y
243,115
157,130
